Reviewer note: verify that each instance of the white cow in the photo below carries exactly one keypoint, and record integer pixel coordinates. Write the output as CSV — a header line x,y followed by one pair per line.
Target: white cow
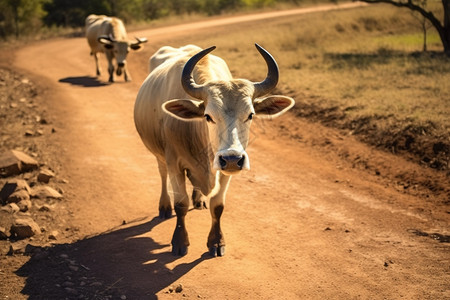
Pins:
x,y
108,35
195,118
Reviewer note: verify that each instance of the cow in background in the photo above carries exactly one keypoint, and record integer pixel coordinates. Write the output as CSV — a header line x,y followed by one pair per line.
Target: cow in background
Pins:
x,y
108,35
195,118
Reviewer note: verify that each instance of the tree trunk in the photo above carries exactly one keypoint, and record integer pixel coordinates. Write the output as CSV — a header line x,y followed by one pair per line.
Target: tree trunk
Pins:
x,y
442,29
446,27
424,28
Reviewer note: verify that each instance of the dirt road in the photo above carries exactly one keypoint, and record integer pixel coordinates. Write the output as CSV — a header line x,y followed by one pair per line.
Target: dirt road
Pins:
x,y
300,225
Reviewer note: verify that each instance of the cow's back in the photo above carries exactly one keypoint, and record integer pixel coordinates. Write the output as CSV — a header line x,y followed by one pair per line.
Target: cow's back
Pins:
x,y
94,24
161,133
166,53
101,25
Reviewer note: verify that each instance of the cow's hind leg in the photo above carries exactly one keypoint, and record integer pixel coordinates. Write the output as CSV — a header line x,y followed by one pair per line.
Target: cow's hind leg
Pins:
x,y
216,241
180,239
165,208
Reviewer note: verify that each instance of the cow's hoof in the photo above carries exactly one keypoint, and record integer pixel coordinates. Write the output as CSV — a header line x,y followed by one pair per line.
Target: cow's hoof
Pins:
x,y
179,251
217,251
165,213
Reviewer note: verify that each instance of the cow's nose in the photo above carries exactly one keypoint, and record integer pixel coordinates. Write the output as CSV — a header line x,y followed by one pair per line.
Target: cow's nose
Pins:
x,y
232,162
121,64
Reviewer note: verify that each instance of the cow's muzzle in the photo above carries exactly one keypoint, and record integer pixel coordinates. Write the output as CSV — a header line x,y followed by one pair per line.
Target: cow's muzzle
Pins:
x,y
120,67
230,162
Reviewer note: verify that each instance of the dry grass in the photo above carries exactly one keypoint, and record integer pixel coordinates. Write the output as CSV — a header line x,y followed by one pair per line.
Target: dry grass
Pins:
x,y
363,64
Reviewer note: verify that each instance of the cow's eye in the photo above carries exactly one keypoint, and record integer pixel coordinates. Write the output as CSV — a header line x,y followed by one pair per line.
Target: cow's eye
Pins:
x,y
250,117
209,119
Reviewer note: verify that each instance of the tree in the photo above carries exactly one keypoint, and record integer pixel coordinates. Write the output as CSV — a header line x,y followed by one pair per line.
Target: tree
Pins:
x,y
443,29
424,24
20,16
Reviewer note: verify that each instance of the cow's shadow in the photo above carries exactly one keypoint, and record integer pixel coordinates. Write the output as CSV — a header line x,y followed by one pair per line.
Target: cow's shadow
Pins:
x,y
84,81
111,265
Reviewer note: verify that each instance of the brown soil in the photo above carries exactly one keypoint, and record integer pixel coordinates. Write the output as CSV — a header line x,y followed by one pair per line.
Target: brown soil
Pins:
x,y
320,215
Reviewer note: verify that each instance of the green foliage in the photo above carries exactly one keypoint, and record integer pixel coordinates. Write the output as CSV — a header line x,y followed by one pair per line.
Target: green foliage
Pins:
x,y
73,13
19,17
28,16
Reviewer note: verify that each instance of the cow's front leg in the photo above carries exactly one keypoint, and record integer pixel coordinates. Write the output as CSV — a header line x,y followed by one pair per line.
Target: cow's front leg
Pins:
x,y
109,57
97,67
216,241
111,73
180,239
165,208
126,75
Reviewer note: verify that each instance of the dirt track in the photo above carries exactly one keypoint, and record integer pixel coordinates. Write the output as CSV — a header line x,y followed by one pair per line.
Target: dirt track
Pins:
x,y
300,225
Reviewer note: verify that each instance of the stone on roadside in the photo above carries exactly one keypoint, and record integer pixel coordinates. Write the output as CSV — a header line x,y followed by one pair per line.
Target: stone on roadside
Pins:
x,y
53,235
17,248
24,205
24,228
13,186
3,233
11,208
45,192
44,207
179,288
14,162
18,196
45,175
22,247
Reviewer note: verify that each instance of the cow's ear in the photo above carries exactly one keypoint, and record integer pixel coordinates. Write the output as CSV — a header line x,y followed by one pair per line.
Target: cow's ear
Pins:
x,y
272,106
184,109
135,47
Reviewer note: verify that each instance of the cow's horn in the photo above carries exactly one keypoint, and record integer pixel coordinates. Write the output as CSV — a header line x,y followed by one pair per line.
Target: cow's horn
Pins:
x,y
264,87
140,40
111,38
187,81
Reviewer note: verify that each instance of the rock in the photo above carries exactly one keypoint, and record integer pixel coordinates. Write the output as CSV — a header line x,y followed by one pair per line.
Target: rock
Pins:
x,y
32,249
17,248
3,233
74,268
70,290
45,175
14,162
11,208
53,235
22,247
24,205
45,192
24,228
12,186
44,207
179,288
18,196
